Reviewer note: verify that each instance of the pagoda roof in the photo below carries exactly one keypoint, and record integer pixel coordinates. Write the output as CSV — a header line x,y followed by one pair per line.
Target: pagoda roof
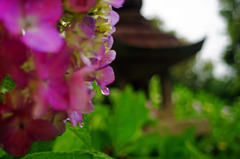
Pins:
x,y
134,30
135,38
144,50
164,56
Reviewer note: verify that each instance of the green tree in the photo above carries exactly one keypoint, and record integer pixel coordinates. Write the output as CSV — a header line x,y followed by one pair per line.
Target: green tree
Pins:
x,y
230,10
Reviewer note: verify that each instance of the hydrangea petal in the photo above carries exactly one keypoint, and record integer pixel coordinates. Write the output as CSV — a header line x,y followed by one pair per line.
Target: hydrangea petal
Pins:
x,y
104,77
10,15
75,117
107,59
110,41
11,60
43,39
51,94
41,130
56,94
114,17
59,63
86,27
116,3
45,11
79,91
18,143
54,65
40,107
52,88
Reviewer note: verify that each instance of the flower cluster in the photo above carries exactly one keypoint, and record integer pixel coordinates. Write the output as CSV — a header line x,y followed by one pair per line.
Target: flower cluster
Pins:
x,y
53,50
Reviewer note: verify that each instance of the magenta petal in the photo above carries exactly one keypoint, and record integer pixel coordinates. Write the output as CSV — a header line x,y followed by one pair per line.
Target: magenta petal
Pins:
x,y
41,64
110,42
99,50
41,104
79,92
18,143
11,60
104,77
114,17
75,117
41,130
45,11
56,94
53,66
107,59
52,93
116,3
43,39
59,63
87,27
10,15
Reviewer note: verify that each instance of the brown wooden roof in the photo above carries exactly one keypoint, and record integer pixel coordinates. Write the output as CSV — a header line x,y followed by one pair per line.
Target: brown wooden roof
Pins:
x,y
143,51
135,30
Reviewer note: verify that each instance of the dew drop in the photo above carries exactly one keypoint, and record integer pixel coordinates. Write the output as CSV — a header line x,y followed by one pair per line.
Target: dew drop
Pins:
x,y
81,124
105,91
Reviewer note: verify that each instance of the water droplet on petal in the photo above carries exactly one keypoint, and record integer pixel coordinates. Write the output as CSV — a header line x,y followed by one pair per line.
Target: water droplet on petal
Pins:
x,y
81,124
105,91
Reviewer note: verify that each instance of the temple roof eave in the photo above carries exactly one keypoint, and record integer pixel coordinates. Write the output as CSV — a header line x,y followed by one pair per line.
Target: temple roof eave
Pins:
x,y
170,54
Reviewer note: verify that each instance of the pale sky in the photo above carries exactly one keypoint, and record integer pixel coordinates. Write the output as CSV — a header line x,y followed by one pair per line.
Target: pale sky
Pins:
x,y
193,20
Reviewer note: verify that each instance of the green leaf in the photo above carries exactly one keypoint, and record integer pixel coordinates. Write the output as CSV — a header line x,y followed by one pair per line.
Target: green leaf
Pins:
x,y
41,146
68,142
70,155
100,155
2,153
100,128
1,97
7,84
52,155
5,155
129,115
195,151
82,132
144,146
155,91
101,141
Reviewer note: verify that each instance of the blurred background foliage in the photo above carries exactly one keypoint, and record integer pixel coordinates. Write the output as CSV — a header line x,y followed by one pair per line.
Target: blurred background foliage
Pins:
x,y
201,76
120,129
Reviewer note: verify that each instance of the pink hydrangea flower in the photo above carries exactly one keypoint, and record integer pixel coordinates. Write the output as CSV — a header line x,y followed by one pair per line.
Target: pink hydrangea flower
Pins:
x,y
80,93
86,28
81,33
52,88
103,74
75,117
18,131
34,21
71,95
